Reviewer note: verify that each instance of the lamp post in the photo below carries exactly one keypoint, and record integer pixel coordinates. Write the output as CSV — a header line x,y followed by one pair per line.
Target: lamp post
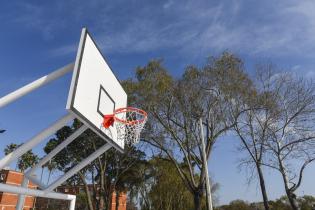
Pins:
x,y
2,131
205,162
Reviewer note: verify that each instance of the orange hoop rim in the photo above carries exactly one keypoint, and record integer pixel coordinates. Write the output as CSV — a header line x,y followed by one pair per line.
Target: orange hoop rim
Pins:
x,y
126,109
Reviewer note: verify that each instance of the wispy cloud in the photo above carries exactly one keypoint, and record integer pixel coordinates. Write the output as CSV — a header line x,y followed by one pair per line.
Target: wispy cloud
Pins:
x,y
168,4
285,29
276,29
36,17
64,50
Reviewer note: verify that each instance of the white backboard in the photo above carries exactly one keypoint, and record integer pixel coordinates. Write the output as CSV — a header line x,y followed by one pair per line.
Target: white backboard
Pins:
x,y
95,91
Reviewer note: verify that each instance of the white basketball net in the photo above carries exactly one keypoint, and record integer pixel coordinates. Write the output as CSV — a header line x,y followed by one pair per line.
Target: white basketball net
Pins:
x,y
129,123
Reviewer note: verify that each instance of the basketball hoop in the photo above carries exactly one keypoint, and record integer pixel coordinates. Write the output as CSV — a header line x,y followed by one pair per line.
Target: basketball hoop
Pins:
x,y
129,123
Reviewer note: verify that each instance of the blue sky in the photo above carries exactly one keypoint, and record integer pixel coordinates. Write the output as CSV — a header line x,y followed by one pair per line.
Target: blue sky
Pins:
x,y
37,37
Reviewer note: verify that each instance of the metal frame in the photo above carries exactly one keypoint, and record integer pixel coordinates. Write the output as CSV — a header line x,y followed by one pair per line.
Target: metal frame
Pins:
x,y
39,193
46,191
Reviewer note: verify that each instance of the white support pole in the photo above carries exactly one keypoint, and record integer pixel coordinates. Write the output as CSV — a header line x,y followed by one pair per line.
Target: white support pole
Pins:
x,y
37,182
34,141
21,199
78,167
29,173
54,152
38,193
34,85
205,165
72,204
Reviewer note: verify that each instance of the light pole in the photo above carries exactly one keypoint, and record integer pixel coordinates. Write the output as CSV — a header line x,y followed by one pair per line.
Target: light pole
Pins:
x,y
2,131
205,165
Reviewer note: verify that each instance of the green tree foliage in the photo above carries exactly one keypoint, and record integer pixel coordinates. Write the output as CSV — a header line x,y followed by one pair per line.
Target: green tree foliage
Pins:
x,y
26,161
236,205
280,204
168,191
306,202
111,171
164,189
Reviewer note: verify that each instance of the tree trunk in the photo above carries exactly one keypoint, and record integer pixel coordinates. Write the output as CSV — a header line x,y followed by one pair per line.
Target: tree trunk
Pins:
x,y
49,174
292,200
88,195
291,196
41,174
95,200
87,191
262,186
102,191
197,201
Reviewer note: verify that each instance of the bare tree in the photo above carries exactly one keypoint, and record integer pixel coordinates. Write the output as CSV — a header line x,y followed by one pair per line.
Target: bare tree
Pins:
x,y
252,128
291,131
252,131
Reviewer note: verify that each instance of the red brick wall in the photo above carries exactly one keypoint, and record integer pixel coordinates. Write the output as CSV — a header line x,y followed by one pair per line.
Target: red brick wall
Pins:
x,y
8,201
76,190
122,201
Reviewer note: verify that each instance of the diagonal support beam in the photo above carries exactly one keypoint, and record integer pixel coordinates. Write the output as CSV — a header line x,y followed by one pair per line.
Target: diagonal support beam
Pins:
x,y
55,151
78,167
35,141
34,85
29,174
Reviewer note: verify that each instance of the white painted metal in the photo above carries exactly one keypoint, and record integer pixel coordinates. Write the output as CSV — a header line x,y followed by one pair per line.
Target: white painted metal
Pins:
x,y
95,91
34,85
34,141
21,199
36,182
54,152
29,173
72,204
205,165
11,97
38,193
78,167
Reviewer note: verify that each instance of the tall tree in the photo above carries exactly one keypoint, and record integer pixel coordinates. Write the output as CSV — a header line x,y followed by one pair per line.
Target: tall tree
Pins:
x,y
252,133
27,160
291,132
252,128
176,105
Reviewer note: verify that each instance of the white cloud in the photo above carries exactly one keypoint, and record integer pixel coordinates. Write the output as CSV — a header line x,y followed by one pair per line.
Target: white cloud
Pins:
x,y
191,28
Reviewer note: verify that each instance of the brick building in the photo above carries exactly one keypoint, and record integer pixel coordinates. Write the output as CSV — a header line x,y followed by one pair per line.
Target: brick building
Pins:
x,y
122,201
77,189
8,200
